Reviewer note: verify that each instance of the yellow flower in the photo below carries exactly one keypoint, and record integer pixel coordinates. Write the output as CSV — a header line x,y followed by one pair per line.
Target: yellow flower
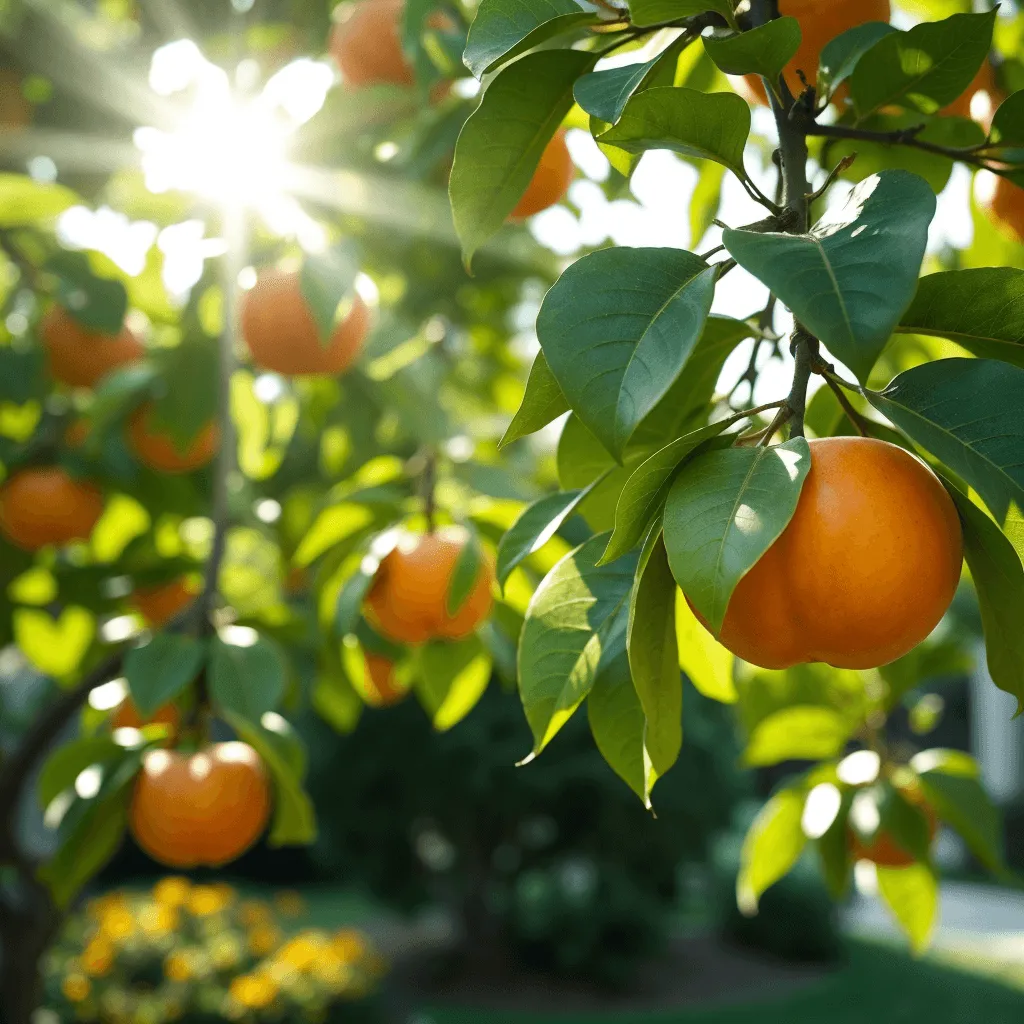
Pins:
x,y
348,945
98,956
179,965
254,912
117,923
262,939
76,987
290,903
98,907
225,952
302,951
210,899
172,891
158,918
253,990
332,973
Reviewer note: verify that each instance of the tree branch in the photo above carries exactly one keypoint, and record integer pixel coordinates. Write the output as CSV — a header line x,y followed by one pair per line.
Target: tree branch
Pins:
x,y
805,351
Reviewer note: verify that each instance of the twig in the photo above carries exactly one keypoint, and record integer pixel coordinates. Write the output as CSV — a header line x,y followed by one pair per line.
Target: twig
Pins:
x,y
428,484
805,351
832,175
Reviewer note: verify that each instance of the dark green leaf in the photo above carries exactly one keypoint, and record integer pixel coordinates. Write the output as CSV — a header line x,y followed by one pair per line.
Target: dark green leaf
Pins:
x,y
536,525
970,414
981,309
502,141
465,574
840,56
834,850
349,606
158,671
565,635
502,30
653,657
325,280
799,733
248,681
912,894
851,277
926,67
999,581
453,676
764,50
712,126
647,488
97,303
617,328
658,12
723,512
772,846
69,760
1008,128
542,403
905,822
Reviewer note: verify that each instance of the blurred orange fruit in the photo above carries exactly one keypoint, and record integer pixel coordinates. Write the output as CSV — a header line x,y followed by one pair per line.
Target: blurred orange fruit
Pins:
x,y
1002,202
160,603
44,505
550,181
78,356
156,448
367,44
127,716
381,687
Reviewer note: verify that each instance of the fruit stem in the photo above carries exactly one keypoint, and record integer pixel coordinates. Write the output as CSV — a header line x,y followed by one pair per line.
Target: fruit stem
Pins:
x,y
859,422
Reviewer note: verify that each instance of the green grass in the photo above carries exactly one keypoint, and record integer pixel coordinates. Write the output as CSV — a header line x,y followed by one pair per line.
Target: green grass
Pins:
x,y
878,985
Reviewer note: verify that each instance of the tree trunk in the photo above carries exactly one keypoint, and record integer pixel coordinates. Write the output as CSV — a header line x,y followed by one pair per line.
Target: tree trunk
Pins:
x,y
26,930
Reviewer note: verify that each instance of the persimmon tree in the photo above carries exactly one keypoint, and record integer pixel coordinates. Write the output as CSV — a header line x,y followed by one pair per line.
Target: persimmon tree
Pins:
x,y
281,485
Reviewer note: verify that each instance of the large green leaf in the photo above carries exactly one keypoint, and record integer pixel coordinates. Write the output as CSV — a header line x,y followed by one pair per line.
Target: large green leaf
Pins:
x,y
999,581
952,786
24,202
800,733
658,12
537,524
617,328
502,30
452,678
849,279
912,894
764,50
502,140
926,67
247,680
707,664
542,403
772,846
653,658
69,760
723,512
582,461
96,302
1008,129
840,56
970,414
980,308
158,671
647,488
711,126
566,636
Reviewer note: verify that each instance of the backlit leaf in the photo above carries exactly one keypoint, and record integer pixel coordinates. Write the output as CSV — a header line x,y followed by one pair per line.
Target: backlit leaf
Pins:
x,y
159,670
772,846
542,403
764,50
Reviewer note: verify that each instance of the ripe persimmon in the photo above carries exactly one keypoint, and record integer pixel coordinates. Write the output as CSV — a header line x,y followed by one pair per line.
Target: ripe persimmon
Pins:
x,y
127,716
283,336
408,598
79,357
1003,203
367,44
205,808
882,849
160,603
381,689
550,181
863,572
156,448
820,22
44,505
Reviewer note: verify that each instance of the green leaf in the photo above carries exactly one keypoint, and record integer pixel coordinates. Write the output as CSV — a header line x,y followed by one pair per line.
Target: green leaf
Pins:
x,y
54,646
617,328
97,303
502,30
248,681
643,13
834,850
912,894
453,677
565,636
723,512
335,699
926,67
24,202
325,280
905,822
294,821
999,581
705,202
851,277
542,403
970,414
349,607
536,525
764,50
582,461
501,142
618,725
772,846
159,670
465,574
653,658
603,94
647,488
707,664
799,733
952,787
333,525
840,56
981,309
1008,127
69,760
87,847
711,126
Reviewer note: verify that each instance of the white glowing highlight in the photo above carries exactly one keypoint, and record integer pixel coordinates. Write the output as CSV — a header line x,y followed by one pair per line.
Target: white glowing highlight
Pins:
x,y
239,636
859,768
820,810
109,695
